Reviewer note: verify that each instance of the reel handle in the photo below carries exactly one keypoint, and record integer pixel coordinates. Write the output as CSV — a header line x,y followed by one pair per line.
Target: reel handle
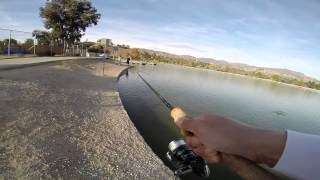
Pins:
x,y
247,169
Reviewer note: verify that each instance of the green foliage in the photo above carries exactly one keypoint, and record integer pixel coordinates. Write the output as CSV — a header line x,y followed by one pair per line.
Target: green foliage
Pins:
x,y
68,19
12,42
28,42
312,84
43,37
298,82
87,44
134,53
261,75
145,56
123,46
275,77
97,48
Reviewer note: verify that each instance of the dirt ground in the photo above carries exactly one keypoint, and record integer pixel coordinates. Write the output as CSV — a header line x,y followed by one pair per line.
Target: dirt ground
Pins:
x,y
65,120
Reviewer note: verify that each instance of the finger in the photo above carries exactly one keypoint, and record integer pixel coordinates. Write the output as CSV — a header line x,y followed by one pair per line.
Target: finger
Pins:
x,y
199,151
186,133
209,155
212,156
193,141
185,124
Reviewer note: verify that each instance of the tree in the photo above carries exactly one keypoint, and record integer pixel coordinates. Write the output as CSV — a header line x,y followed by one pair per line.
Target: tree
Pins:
x,y
298,82
123,46
134,53
145,56
68,19
87,44
43,37
28,42
96,48
275,77
12,42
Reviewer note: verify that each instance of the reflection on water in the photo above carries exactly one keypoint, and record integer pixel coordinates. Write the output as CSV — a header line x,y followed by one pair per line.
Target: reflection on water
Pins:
x,y
253,101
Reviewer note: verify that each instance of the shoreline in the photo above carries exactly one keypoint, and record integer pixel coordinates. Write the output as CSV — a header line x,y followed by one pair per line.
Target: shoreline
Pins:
x,y
252,77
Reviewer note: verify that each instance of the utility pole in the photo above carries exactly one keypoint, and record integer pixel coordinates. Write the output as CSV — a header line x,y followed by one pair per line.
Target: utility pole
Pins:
x,y
34,46
104,51
9,43
51,45
64,46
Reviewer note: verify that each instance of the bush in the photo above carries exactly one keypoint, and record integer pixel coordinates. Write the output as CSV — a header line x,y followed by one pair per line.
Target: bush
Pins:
x,y
96,49
45,53
46,50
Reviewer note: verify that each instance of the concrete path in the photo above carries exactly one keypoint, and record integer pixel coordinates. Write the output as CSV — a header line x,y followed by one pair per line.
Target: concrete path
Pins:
x,y
65,120
22,62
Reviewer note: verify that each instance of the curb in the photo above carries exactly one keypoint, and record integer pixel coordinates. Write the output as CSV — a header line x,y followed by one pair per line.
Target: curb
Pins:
x,y
12,67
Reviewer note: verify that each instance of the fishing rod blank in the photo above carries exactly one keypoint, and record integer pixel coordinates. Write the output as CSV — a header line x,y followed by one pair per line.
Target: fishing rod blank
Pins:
x,y
249,170
175,112
168,105
182,157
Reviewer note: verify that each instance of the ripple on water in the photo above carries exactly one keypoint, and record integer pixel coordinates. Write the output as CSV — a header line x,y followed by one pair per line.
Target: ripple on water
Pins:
x,y
279,113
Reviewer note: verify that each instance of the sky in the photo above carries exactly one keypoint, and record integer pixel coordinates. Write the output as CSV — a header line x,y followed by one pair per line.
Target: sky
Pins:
x,y
269,33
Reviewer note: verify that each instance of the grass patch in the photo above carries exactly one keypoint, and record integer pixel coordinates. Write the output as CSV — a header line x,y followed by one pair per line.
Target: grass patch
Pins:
x,y
2,56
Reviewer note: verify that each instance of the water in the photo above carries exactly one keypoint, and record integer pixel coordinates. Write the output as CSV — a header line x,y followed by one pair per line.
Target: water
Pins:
x,y
257,102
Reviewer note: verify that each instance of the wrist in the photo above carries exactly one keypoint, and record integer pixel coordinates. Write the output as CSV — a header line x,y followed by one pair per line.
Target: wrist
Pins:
x,y
267,146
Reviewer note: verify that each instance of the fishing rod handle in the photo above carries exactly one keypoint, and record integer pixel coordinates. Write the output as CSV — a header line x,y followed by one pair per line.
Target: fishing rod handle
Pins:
x,y
177,113
247,169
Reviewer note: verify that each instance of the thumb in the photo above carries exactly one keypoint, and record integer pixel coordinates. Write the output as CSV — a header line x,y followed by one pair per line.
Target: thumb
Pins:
x,y
185,124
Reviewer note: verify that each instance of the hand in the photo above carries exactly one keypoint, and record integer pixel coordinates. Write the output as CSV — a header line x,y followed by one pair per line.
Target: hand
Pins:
x,y
213,134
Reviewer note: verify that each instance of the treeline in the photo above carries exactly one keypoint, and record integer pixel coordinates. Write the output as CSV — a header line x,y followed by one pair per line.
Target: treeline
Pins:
x,y
143,55
16,47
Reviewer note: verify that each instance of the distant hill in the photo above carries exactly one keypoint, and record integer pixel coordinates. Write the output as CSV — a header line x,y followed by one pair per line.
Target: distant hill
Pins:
x,y
280,71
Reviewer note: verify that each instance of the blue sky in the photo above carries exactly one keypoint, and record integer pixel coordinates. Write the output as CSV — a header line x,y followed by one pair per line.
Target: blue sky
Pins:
x,y
272,33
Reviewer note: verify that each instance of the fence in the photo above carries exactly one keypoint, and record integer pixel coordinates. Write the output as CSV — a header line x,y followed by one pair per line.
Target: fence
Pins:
x,y
14,42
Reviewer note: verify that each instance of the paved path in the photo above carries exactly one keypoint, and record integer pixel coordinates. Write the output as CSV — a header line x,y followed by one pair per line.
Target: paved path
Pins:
x,y
65,120
22,62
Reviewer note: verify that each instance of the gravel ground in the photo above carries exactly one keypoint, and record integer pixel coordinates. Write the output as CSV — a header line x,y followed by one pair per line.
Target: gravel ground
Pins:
x,y
65,120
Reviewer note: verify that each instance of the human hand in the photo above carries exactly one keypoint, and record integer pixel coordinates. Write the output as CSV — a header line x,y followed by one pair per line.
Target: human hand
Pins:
x,y
213,135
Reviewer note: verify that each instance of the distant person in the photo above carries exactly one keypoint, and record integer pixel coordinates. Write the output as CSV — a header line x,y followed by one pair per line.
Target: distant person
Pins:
x,y
295,154
128,60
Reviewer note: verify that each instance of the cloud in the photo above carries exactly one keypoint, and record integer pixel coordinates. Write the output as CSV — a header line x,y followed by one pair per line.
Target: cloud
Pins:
x,y
186,46
184,28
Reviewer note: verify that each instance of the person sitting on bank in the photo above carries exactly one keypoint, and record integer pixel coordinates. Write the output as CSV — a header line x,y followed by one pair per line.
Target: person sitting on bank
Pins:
x,y
292,153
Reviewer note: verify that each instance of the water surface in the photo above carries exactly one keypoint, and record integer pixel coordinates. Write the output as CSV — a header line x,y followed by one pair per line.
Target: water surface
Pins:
x,y
253,101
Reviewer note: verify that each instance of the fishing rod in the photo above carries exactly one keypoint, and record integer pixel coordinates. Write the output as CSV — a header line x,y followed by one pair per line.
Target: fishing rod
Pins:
x,y
180,154
175,111
245,168
165,102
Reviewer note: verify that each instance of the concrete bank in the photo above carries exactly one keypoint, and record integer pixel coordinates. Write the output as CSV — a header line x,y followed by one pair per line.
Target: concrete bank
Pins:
x,y
15,63
65,120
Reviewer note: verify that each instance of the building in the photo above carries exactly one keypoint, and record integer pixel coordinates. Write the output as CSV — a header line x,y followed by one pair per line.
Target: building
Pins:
x,y
105,42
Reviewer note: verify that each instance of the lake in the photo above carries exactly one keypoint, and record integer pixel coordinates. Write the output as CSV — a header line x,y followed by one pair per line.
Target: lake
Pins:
x,y
253,101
